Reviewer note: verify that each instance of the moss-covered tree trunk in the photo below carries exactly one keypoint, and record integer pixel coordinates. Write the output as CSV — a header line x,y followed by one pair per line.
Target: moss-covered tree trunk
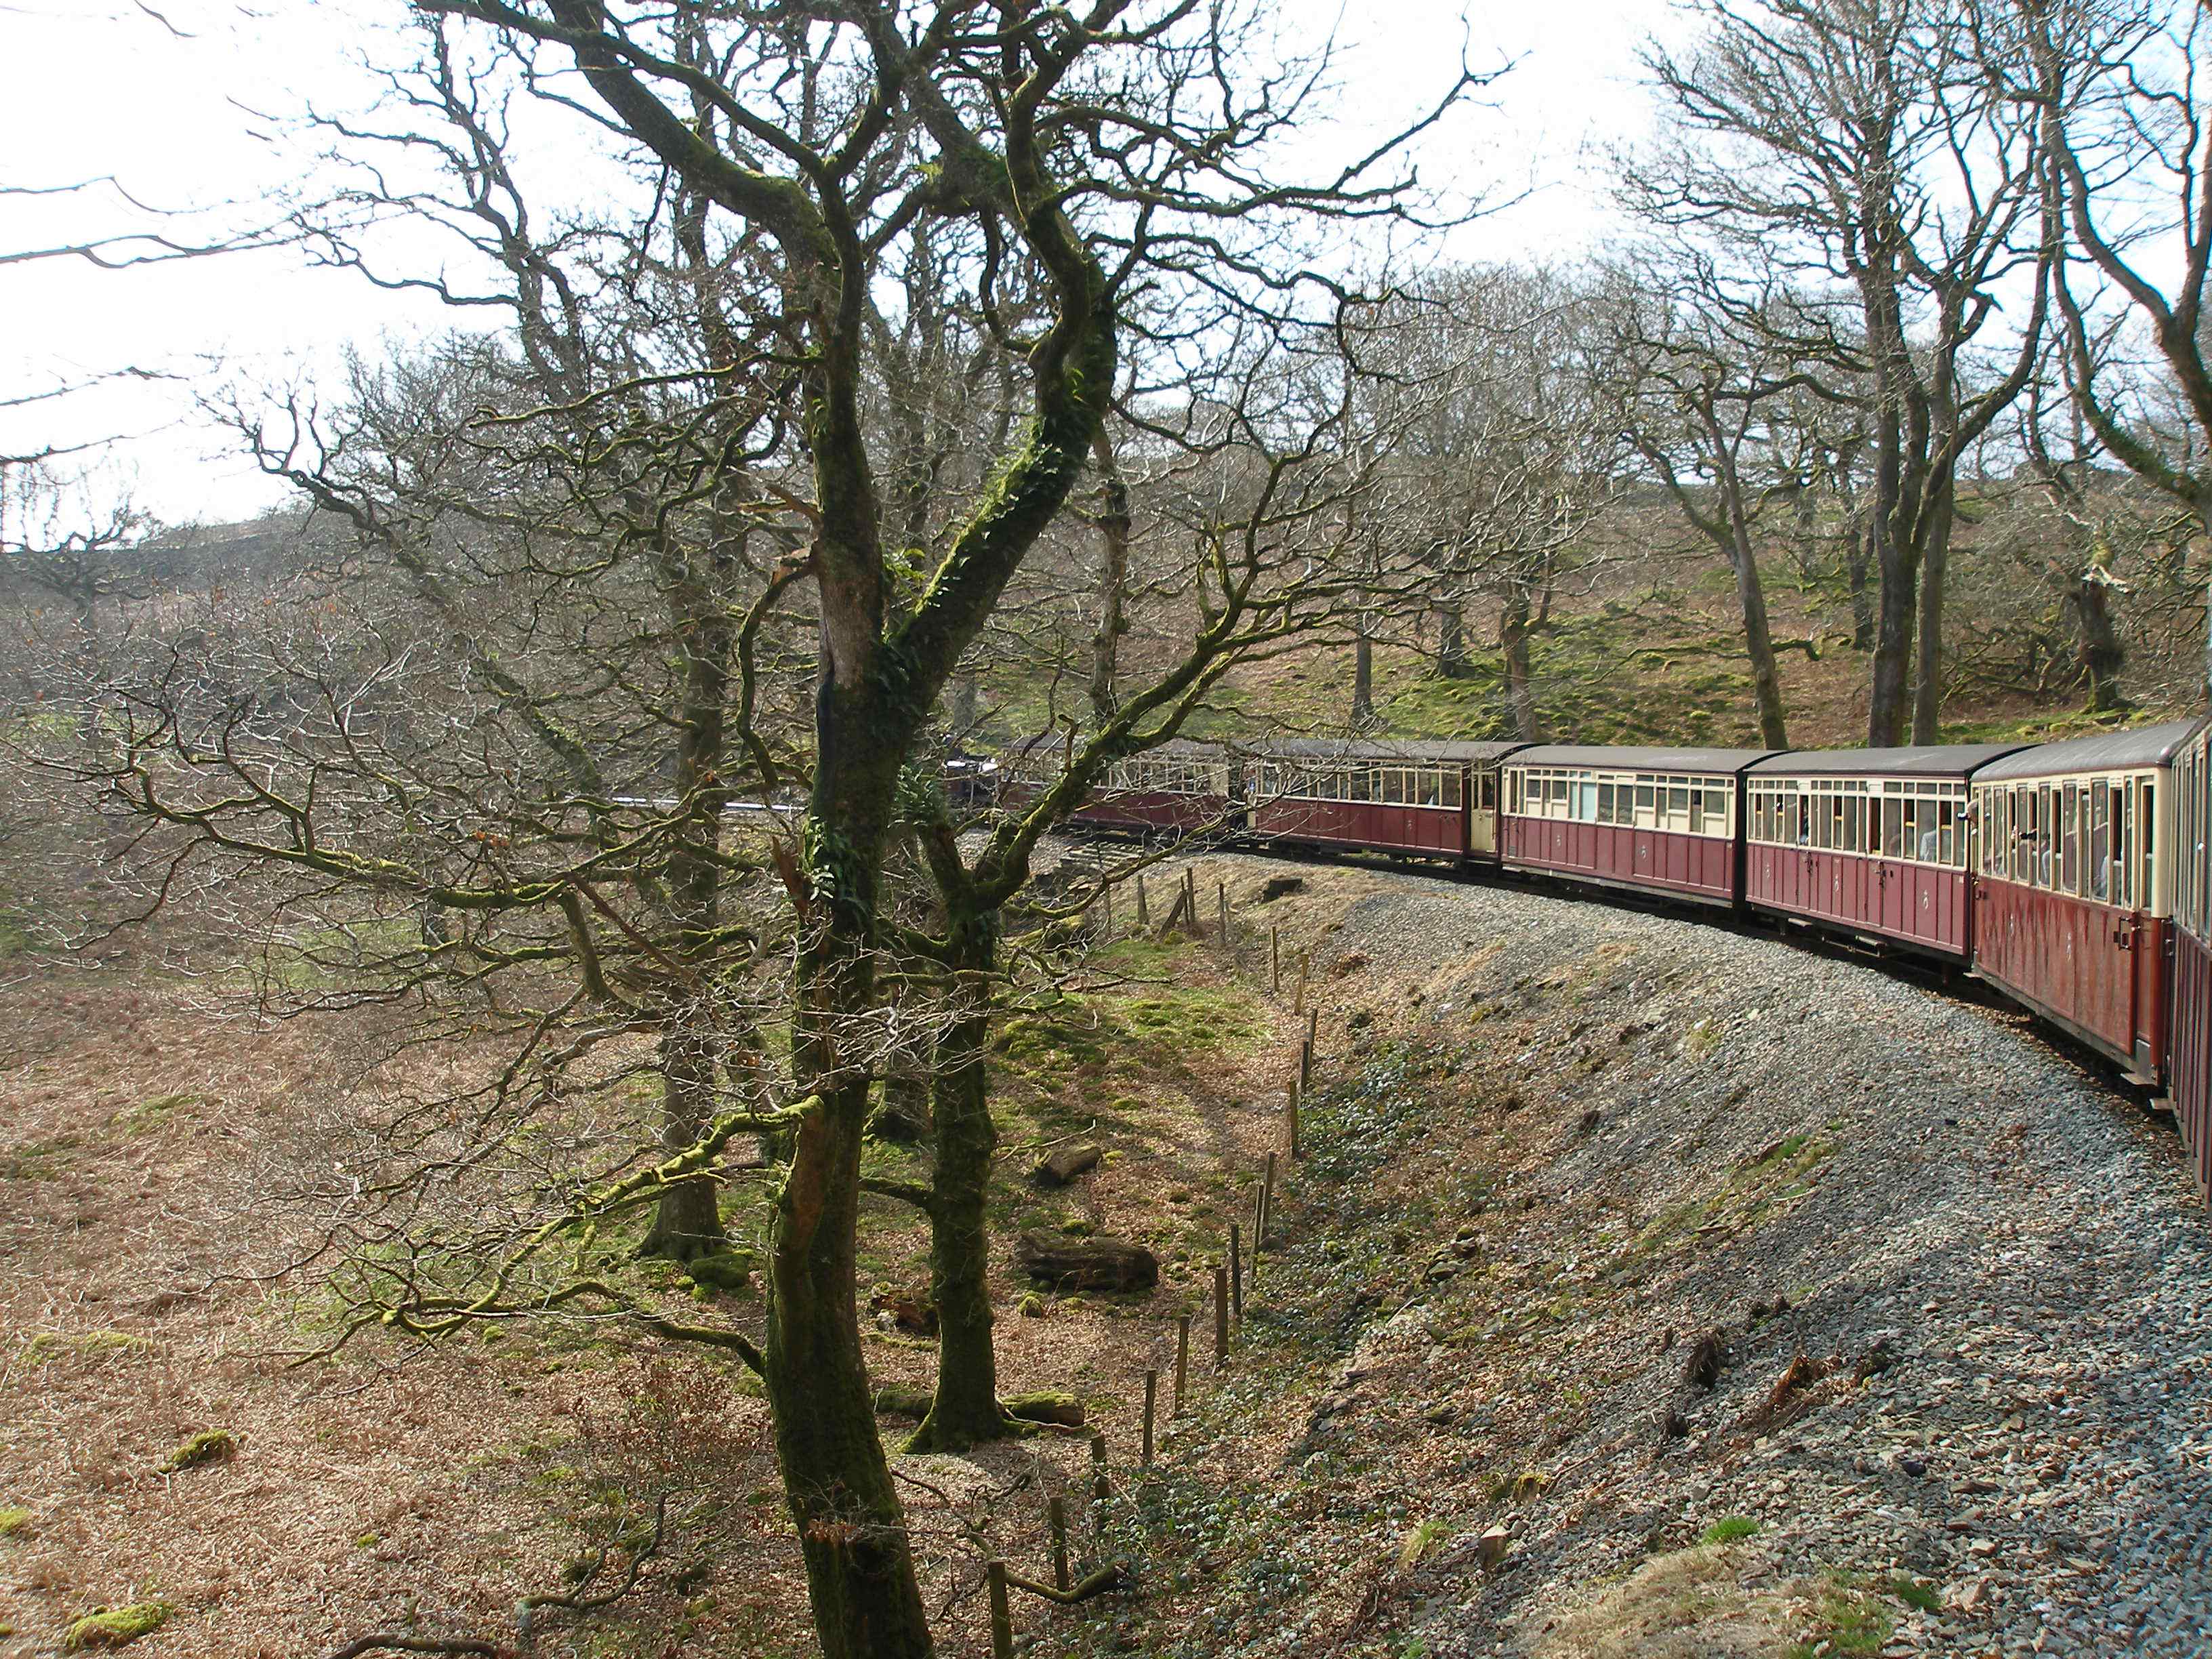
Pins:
x,y
687,1222
1935,564
851,1529
1515,629
1113,582
2098,648
964,1411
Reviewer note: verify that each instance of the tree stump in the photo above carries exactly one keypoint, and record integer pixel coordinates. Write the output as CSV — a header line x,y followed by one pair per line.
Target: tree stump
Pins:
x,y
1086,1264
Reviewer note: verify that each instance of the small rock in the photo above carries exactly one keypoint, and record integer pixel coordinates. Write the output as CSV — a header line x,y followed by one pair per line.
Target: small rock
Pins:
x,y
1490,1549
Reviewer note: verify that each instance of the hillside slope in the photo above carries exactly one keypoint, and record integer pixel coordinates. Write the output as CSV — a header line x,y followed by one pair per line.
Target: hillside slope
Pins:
x,y
1925,1300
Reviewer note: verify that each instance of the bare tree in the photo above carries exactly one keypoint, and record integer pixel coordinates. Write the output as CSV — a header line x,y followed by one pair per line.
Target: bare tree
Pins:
x,y
2119,88
1088,166
1704,398
1865,154
1498,377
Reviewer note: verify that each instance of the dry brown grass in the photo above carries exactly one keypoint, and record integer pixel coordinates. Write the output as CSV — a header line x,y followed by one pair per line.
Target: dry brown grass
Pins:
x,y
370,1494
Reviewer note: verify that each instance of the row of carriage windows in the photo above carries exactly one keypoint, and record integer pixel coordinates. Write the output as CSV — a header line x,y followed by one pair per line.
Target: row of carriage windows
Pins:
x,y
1689,806
1169,777
2192,877
1915,821
2090,838
1441,787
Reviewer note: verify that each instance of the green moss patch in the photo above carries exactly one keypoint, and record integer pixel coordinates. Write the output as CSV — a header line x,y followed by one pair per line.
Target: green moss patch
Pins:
x,y
49,1345
14,1522
38,1160
209,1446
117,1627
1728,1530
150,1115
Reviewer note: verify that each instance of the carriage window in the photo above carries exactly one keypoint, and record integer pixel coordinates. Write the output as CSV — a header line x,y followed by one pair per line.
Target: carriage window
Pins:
x,y
2045,873
1453,784
1646,808
1605,803
1392,790
1678,807
2100,840
1893,826
1948,849
2069,840
1486,791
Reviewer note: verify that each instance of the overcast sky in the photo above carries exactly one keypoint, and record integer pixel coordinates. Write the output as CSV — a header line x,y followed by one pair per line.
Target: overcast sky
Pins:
x,y
100,88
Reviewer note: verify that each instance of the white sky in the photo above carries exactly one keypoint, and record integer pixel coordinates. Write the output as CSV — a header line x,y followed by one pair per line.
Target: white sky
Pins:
x,y
92,87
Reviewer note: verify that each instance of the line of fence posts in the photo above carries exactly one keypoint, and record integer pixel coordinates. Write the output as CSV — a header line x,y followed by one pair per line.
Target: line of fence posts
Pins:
x,y
1230,1276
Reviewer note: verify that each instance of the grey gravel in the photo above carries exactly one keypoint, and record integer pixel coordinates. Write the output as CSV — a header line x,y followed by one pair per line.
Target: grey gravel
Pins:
x,y
2021,1231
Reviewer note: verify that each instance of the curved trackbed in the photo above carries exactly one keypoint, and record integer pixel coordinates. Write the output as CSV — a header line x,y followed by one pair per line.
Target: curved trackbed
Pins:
x,y
1687,1121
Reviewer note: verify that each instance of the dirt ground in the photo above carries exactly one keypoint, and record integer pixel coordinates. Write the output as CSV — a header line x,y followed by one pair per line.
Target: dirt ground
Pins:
x,y
1551,1143
428,1490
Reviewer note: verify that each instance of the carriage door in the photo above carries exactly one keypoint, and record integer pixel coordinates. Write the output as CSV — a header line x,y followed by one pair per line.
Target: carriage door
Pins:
x,y
1482,817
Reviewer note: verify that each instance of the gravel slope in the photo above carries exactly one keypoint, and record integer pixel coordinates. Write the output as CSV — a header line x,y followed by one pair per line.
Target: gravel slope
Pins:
x,y
1681,1124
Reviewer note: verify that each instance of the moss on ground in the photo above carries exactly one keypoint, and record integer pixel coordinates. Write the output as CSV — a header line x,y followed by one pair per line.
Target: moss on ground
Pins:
x,y
209,1446
49,1345
38,1160
117,1627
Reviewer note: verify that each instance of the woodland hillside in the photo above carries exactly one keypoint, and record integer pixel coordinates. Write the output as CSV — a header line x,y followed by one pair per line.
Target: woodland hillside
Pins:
x,y
532,1118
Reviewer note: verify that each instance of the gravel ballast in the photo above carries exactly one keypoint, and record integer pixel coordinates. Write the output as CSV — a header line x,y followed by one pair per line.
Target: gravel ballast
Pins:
x,y
1987,1254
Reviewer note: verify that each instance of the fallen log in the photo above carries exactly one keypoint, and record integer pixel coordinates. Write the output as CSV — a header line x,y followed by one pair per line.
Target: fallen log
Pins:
x,y
1086,1264
1057,1169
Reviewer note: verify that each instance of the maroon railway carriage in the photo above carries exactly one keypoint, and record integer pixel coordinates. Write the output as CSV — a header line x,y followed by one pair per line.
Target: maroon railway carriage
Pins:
x,y
2188,1034
2073,886
1660,820
1871,842
1430,799
1178,789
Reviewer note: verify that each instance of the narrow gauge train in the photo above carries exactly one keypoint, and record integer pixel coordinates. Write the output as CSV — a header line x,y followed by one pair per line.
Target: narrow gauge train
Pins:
x,y
2072,876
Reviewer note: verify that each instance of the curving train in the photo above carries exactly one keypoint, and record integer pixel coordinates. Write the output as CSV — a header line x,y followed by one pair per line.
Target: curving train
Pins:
x,y
2072,876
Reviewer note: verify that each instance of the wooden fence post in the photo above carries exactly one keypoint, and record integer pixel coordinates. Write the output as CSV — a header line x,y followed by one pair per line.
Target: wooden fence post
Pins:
x,y
1221,1317
1002,1617
1144,915
1305,1066
1290,1117
1152,1402
1106,893
1182,1361
1235,1271
1190,900
1267,1199
1259,1230
1275,962
1305,965
1057,1510
1099,1488
1221,901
